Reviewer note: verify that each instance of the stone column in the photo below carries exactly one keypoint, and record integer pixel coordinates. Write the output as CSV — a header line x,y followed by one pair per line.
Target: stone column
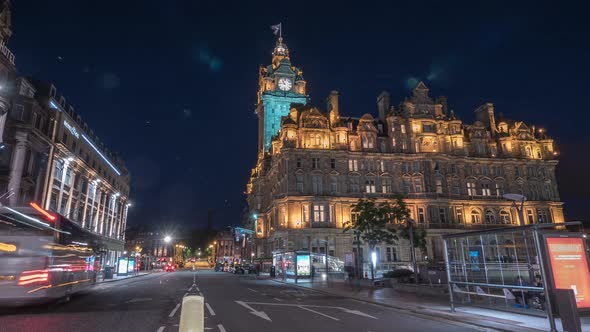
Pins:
x,y
85,204
103,203
124,223
17,167
97,210
70,194
61,187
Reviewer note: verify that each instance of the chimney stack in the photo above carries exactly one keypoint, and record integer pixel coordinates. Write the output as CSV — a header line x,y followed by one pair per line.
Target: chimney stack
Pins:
x,y
332,106
383,105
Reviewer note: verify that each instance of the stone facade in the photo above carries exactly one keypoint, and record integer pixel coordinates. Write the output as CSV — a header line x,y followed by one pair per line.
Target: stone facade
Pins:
x,y
452,174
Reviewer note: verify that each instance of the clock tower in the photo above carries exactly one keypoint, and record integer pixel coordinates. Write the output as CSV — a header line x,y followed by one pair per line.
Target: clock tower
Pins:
x,y
279,85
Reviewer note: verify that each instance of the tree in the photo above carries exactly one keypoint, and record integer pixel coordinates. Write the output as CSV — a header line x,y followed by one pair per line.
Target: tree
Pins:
x,y
374,221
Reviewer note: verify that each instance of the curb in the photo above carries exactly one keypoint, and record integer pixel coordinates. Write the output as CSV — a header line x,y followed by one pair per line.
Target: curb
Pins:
x,y
413,311
113,280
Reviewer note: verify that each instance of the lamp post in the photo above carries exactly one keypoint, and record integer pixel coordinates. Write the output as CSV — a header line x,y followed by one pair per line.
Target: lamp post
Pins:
x,y
517,198
412,249
519,209
326,252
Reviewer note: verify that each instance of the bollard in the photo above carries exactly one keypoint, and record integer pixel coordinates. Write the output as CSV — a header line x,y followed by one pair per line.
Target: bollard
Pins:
x,y
192,314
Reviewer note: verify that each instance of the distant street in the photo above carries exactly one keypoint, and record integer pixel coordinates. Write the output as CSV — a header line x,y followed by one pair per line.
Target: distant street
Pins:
x,y
234,303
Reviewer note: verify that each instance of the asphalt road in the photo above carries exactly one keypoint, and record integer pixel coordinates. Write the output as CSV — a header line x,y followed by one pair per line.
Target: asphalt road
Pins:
x,y
233,303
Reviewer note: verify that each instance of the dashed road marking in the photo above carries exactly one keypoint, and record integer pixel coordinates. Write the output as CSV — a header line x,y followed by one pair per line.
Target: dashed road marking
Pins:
x,y
221,328
210,309
319,313
253,290
185,294
161,328
174,310
277,299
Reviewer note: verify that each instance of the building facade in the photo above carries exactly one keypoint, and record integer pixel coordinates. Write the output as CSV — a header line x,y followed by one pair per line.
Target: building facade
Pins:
x,y
50,156
452,173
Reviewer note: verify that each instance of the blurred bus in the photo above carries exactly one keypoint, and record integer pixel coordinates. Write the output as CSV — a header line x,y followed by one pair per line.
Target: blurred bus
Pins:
x,y
43,256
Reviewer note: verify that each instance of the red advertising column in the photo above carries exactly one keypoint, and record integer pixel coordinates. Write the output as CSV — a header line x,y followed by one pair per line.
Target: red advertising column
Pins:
x,y
569,267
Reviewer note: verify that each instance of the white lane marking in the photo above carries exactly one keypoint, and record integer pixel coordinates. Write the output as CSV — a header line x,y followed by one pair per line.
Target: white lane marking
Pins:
x,y
255,291
253,311
161,328
185,294
319,313
221,329
350,311
198,290
210,309
277,299
201,294
189,289
174,310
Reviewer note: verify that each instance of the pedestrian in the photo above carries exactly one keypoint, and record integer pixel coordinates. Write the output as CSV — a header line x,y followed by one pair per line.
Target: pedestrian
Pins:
x,y
521,295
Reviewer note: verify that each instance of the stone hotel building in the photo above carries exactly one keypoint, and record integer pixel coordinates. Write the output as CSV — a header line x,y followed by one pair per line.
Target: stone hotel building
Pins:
x,y
314,163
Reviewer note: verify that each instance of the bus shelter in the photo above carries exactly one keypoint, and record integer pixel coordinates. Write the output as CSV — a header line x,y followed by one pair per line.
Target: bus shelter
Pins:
x,y
505,268
302,265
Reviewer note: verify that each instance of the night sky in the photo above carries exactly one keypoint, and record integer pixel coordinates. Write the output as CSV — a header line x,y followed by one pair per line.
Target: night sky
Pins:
x,y
171,85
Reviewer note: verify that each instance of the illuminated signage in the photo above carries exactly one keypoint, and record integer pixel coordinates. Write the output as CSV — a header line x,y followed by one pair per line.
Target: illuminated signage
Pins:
x,y
569,267
72,129
303,265
6,52
123,265
7,247
100,154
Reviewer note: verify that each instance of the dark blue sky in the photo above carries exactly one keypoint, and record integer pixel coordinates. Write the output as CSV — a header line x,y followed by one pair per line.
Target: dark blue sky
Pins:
x,y
171,85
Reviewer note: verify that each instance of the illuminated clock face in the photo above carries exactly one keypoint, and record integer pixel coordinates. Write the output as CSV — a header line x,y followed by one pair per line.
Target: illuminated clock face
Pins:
x,y
285,84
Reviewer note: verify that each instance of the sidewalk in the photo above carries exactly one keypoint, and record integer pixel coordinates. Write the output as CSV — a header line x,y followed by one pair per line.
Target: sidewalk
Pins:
x,y
100,279
437,307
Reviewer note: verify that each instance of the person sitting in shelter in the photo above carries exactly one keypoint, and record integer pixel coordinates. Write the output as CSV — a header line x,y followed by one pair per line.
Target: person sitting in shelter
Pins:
x,y
521,296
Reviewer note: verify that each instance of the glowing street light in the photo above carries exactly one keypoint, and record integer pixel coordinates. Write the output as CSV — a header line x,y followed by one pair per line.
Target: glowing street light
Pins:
x,y
167,239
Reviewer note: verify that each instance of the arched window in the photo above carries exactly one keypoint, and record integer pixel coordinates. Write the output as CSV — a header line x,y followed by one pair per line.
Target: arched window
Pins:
x,y
490,217
505,217
475,217
528,151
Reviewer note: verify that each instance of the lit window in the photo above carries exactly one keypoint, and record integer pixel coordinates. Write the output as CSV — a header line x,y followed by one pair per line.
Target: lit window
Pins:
x,y
471,188
332,213
459,214
475,217
386,185
485,189
499,189
305,213
421,217
353,165
319,213
370,186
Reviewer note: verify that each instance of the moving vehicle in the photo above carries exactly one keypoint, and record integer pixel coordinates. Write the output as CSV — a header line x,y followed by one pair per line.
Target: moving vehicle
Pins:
x,y
169,267
43,256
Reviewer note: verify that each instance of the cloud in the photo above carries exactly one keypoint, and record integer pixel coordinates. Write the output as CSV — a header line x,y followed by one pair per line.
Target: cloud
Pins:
x,y
110,81
206,58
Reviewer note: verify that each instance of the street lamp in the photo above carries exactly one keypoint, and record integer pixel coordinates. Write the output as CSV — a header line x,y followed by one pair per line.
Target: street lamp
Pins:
x,y
167,239
517,198
410,222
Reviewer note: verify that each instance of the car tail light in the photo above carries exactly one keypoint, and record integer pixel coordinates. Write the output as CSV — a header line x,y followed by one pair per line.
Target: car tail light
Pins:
x,y
34,277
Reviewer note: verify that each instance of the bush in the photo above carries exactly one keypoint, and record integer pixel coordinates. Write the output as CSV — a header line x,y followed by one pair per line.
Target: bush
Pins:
x,y
399,273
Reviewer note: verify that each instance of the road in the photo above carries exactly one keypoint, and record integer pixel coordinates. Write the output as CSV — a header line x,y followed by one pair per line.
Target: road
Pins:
x,y
233,303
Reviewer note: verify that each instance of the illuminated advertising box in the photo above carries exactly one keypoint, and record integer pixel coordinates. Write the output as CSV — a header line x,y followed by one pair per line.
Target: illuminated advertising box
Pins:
x,y
569,267
303,265
122,266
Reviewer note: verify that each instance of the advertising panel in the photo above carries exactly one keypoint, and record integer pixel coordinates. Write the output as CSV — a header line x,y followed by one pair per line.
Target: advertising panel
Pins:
x,y
122,266
303,265
569,267
131,265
